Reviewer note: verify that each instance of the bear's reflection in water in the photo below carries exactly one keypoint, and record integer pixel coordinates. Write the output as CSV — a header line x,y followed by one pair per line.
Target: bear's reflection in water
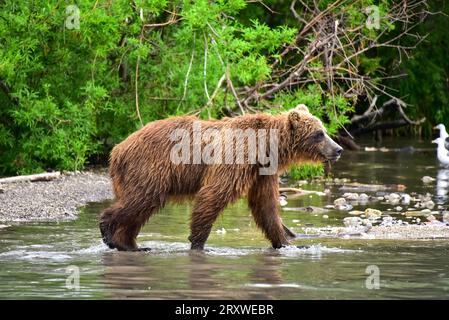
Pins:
x,y
198,275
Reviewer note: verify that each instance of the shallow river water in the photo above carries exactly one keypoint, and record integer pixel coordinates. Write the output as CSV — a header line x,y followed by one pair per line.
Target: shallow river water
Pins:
x,y
40,260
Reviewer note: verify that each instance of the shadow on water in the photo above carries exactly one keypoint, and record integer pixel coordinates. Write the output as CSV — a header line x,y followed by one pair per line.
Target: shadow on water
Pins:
x,y
35,257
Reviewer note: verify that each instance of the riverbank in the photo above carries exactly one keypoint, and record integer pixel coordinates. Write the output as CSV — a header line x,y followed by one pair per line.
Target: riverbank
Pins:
x,y
58,199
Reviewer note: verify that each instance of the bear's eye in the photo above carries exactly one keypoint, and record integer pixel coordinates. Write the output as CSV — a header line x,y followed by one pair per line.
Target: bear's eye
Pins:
x,y
319,136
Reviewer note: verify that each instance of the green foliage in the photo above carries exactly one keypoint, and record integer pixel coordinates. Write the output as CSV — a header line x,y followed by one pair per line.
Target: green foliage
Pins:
x,y
68,95
306,171
426,86
333,110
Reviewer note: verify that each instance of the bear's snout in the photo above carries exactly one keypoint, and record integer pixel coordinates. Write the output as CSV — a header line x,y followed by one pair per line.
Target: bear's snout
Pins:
x,y
332,151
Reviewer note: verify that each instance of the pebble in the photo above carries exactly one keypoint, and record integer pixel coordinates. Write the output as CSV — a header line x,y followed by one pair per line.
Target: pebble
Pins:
x,y
351,196
363,197
57,199
352,222
413,213
356,212
339,202
373,213
283,200
398,208
446,216
427,179
221,231
405,199
429,204
325,216
393,198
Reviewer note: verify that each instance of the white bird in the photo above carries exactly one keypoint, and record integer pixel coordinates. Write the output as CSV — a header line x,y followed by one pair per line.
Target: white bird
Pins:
x,y
443,134
442,152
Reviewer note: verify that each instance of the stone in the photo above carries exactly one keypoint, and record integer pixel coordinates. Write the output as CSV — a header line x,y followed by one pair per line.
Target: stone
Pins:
x,y
351,196
363,197
339,202
427,179
429,204
373,213
352,222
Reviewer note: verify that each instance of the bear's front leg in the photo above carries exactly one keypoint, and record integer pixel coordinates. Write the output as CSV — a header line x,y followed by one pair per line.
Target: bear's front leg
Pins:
x,y
210,202
263,201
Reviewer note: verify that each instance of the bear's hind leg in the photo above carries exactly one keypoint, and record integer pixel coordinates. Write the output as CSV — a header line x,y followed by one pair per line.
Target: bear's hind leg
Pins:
x,y
108,225
121,223
263,202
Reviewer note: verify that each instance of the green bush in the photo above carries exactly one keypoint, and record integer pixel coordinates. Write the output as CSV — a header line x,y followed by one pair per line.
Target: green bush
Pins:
x,y
68,95
306,171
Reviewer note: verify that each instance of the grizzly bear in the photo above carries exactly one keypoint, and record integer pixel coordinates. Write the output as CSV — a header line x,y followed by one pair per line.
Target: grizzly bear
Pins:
x,y
184,157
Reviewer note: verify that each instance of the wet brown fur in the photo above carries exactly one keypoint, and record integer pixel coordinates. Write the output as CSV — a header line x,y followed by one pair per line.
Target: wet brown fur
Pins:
x,y
144,178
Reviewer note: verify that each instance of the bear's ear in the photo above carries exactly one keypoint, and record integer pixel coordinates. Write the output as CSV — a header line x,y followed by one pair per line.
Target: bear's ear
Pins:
x,y
302,107
294,118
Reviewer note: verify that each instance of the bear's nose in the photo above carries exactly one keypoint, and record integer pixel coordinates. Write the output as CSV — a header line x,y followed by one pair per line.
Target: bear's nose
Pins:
x,y
339,151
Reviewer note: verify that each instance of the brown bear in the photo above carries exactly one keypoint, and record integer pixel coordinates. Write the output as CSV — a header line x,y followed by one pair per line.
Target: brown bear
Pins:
x,y
184,157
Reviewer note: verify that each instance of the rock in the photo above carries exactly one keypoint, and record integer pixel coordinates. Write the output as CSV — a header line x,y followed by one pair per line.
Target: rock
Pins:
x,y
429,204
419,205
393,198
387,221
405,199
283,200
431,218
221,231
398,208
425,211
2,191
351,196
310,209
373,213
325,216
345,207
446,216
426,197
363,197
356,212
352,222
413,214
427,179
339,202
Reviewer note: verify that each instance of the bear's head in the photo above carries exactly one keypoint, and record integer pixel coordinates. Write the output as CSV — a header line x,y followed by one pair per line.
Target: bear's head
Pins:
x,y
309,138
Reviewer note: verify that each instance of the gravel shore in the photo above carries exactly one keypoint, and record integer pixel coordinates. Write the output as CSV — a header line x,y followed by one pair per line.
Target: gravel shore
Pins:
x,y
58,199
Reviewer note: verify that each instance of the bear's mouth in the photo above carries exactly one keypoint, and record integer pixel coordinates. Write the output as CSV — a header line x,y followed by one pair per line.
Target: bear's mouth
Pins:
x,y
329,158
333,158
